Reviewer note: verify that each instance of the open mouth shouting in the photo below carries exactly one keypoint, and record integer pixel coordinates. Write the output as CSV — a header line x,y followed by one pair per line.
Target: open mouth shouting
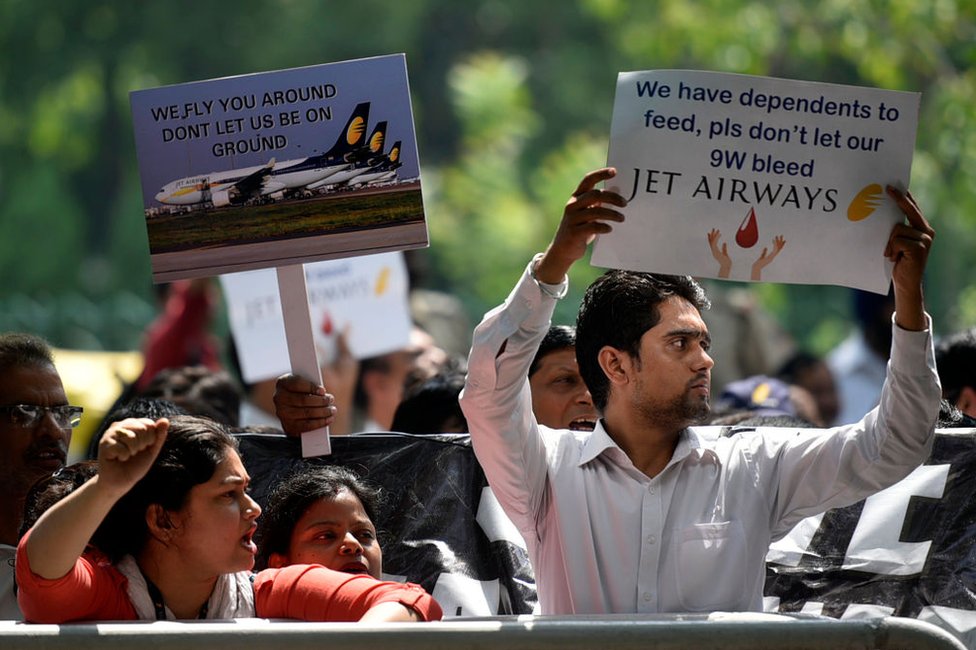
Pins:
x,y
585,423
358,567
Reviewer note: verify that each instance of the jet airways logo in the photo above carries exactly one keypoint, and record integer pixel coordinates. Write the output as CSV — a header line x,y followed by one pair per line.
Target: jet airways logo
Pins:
x,y
355,131
394,154
376,142
865,203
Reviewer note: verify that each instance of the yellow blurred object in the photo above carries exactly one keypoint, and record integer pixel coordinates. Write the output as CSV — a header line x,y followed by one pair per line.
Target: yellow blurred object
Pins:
x,y
382,281
93,380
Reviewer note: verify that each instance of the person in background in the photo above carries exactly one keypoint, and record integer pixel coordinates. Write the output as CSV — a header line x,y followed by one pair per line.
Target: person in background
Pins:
x,y
35,429
560,399
813,374
859,363
955,357
322,515
760,396
431,406
180,334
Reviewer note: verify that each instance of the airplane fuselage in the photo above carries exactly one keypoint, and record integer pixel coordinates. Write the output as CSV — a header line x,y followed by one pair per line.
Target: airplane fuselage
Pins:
x,y
288,174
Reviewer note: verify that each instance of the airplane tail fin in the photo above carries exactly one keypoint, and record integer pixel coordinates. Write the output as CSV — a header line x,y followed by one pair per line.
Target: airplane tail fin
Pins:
x,y
352,136
371,151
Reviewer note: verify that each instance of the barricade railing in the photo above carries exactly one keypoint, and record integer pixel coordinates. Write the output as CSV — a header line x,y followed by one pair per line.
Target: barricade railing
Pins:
x,y
653,632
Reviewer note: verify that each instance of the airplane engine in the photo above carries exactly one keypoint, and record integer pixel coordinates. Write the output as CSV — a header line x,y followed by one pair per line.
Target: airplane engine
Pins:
x,y
220,198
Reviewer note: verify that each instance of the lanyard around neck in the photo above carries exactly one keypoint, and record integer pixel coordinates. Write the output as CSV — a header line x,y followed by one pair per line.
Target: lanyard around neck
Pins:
x,y
157,600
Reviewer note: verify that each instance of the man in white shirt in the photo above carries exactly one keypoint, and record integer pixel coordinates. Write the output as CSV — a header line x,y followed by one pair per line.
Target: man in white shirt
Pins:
x,y
35,428
642,514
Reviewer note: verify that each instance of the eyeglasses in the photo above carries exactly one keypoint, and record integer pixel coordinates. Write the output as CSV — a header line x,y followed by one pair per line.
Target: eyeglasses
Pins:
x,y
28,416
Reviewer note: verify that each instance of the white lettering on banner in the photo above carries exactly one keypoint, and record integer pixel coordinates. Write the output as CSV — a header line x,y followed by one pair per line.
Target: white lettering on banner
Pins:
x,y
460,595
875,546
858,611
494,522
789,550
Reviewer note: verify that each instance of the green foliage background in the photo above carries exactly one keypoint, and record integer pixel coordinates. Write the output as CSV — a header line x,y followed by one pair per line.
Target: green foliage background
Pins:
x,y
512,101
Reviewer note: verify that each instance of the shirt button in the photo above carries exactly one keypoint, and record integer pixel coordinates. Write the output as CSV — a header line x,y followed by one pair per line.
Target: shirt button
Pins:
x,y
651,539
647,597
650,489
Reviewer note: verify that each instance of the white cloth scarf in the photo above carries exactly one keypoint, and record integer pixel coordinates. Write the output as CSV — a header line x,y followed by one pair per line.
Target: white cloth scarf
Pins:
x,y
232,596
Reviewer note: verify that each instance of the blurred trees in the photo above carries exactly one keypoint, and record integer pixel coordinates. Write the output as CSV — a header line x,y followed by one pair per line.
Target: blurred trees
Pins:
x,y
512,102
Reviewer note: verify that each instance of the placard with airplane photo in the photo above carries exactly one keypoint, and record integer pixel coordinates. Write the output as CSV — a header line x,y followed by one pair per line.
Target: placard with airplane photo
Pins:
x,y
757,179
279,168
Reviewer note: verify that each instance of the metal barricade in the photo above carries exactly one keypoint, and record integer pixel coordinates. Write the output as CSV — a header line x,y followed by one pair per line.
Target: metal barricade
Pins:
x,y
656,632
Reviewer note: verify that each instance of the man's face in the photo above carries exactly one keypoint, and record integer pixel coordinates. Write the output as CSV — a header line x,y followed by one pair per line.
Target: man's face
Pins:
x,y
28,454
560,399
672,374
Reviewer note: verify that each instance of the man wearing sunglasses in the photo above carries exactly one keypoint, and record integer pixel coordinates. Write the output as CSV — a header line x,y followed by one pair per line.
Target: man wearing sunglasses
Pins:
x,y
35,428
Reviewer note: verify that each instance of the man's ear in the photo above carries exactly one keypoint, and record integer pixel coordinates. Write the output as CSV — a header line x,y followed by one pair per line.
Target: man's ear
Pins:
x,y
616,364
967,401
277,560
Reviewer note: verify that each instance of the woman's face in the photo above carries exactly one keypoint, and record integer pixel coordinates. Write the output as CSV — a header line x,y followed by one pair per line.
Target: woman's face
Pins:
x,y
213,531
337,534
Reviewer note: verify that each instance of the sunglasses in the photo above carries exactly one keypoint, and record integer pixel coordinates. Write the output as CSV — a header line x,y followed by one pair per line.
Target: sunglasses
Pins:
x,y
28,416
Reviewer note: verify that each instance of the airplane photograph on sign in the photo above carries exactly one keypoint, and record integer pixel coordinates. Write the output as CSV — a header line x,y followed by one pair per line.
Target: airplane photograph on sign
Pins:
x,y
279,168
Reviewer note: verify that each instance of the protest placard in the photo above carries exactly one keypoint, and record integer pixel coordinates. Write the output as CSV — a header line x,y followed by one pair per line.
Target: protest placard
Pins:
x,y
279,168
364,296
754,178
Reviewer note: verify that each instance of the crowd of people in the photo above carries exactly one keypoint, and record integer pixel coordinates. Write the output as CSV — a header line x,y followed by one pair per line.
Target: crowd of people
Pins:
x,y
586,434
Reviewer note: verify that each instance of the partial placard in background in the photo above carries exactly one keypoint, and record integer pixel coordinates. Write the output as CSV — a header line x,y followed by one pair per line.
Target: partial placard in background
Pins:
x,y
364,296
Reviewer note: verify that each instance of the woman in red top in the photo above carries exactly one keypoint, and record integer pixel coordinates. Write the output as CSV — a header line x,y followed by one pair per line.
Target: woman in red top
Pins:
x,y
175,529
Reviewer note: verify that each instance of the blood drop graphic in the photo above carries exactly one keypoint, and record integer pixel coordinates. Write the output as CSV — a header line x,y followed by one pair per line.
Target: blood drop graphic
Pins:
x,y
748,233
327,324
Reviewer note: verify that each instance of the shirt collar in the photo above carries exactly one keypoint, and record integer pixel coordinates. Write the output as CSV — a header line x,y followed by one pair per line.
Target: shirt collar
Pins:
x,y
690,442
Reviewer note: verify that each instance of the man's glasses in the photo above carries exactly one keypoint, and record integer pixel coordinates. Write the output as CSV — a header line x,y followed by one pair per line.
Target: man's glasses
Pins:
x,y
28,416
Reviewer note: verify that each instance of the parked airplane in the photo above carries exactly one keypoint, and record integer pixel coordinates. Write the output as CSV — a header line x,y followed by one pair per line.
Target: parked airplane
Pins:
x,y
364,161
239,185
384,172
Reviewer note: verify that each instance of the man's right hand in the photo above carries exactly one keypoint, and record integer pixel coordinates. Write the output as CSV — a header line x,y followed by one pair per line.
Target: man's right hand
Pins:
x,y
585,216
302,405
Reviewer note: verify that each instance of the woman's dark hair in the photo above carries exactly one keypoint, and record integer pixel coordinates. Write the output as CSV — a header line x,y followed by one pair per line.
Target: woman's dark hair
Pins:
x,y
194,447
296,493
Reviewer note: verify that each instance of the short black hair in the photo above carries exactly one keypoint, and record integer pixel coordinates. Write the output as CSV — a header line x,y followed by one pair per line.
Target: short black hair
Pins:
x,y
19,349
559,337
200,390
432,405
294,495
617,309
955,361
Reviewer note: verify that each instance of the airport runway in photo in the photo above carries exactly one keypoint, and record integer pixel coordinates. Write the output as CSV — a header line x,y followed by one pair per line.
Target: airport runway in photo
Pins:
x,y
245,257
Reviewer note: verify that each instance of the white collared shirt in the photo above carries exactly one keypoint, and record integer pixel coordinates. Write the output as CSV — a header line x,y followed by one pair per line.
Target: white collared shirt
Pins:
x,y
605,538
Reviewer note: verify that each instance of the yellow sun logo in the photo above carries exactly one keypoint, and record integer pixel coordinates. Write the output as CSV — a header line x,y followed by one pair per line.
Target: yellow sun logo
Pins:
x,y
355,131
865,202
394,154
376,142
382,281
